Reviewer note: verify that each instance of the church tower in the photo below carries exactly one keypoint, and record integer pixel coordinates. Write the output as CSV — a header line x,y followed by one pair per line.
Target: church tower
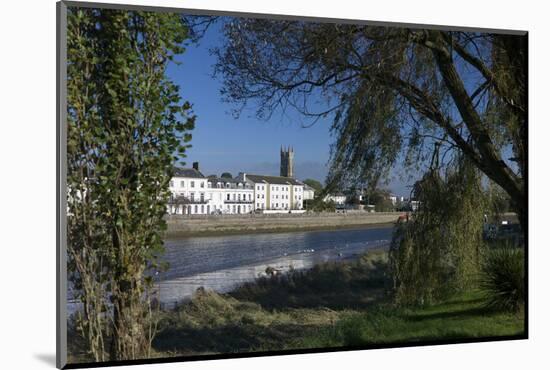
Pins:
x,y
287,162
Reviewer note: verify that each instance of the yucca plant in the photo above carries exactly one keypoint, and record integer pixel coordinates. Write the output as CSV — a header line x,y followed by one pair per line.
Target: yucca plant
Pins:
x,y
502,278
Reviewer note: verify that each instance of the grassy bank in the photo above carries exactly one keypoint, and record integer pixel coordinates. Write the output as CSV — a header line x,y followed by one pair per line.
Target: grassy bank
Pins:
x,y
331,305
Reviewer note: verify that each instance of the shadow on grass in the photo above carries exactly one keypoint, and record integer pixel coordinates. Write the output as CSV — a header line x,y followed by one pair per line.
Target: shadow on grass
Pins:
x,y
454,314
227,339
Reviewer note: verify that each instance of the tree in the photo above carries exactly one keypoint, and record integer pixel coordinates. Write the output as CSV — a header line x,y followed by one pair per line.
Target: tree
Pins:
x,y
391,92
316,185
226,175
126,127
439,251
380,199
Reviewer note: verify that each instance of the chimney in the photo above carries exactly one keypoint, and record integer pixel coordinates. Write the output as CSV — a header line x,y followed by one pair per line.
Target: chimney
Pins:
x,y
196,165
243,175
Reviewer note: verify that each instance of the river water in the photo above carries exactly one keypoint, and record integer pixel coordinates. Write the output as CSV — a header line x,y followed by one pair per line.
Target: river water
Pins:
x,y
222,263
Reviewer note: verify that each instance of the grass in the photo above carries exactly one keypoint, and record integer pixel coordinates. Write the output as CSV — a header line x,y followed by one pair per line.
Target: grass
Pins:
x,y
461,318
332,305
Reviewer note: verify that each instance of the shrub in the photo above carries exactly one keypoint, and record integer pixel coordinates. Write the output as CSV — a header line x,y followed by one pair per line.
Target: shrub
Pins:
x,y
502,278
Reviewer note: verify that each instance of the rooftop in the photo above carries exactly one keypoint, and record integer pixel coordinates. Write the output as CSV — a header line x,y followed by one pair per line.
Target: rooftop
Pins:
x,y
188,172
278,180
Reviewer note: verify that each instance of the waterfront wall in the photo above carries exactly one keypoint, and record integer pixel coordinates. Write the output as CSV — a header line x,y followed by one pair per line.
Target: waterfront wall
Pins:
x,y
196,225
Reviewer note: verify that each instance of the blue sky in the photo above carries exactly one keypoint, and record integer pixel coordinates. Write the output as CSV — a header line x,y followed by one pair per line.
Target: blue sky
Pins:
x,y
222,143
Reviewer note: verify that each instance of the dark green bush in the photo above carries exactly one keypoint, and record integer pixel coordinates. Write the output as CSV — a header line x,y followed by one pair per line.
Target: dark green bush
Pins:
x,y
502,278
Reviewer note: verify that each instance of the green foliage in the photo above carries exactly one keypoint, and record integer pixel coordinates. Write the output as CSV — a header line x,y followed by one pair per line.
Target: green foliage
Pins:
x,y
316,185
380,199
226,175
503,278
439,251
498,202
126,126
319,205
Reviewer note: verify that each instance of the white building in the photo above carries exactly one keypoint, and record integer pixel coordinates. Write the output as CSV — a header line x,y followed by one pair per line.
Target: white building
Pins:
x,y
231,195
338,198
189,192
193,193
276,192
309,192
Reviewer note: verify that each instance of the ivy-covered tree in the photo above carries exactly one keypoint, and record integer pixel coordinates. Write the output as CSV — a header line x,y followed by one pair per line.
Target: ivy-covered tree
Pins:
x,y
127,126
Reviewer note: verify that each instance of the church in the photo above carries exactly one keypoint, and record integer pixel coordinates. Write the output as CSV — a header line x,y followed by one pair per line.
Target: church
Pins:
x,y
193,193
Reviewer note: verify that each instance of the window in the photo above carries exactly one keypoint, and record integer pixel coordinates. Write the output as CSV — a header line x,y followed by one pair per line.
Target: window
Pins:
x,y
202,197
202,208
228,197
196,208
192,184
182,184
192,196
171,184
258,196
202,184
239,197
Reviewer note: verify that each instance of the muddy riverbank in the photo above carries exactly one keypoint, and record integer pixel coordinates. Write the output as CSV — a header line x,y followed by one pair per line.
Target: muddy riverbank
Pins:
x,y
187,226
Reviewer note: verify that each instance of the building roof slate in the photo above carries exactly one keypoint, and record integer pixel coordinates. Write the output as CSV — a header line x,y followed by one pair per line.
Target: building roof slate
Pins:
x,y
276,180
188,172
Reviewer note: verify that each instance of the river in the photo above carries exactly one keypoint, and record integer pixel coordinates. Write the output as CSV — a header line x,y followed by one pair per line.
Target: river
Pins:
x,y
222,263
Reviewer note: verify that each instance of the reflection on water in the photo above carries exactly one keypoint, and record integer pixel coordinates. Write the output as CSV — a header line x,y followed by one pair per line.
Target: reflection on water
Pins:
x,y
222,263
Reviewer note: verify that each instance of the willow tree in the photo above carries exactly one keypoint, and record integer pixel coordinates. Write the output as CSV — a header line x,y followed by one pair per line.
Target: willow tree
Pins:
x,y
440,250
391,92
126,127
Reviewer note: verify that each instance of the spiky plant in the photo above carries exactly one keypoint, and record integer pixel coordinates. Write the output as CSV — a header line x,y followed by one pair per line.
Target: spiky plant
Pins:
x,y
502,278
